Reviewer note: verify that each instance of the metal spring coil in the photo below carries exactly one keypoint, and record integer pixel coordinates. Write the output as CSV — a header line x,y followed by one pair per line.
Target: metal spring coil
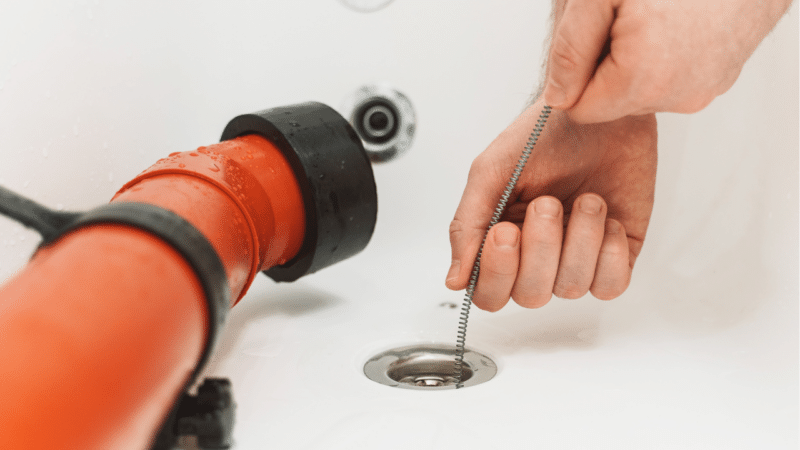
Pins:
x,y
476,268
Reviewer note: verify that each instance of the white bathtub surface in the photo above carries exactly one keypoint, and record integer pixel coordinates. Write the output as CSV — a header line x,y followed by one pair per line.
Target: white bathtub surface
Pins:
x,y
701,351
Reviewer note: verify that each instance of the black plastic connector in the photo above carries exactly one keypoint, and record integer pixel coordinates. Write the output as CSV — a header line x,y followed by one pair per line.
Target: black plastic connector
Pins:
x,y
335,177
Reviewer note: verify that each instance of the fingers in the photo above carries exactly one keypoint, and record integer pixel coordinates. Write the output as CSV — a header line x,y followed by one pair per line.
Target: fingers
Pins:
x,y
544,259
541,250
613,272
582,243
499,264
578,41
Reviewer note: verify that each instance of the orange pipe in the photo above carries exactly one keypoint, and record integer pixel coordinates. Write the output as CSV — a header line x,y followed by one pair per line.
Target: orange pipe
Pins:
x,y
103,328
241,194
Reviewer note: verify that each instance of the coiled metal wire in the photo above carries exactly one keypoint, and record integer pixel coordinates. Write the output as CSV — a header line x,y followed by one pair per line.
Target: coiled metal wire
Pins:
x,y
476,268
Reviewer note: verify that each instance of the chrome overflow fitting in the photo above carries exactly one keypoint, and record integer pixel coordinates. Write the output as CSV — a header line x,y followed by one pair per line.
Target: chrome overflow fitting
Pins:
x,y
384,120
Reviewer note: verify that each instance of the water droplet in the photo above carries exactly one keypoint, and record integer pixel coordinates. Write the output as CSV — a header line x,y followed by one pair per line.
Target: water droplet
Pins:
x,y
60,207
193,154
26,183
214,168
21,238
181,165
294,124
202,150
174,153
322,176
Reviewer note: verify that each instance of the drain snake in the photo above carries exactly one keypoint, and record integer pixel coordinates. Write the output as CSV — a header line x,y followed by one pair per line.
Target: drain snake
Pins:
x,y
501,206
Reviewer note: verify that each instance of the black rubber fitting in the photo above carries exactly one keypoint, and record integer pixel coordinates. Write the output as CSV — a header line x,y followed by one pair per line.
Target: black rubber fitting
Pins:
x,y
335,177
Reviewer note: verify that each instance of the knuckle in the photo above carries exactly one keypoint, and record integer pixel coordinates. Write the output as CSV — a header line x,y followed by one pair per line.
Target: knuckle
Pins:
x,y
456,226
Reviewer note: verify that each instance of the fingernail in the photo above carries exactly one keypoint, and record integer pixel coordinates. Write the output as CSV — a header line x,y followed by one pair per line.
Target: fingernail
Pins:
x,y
554,95
505,238
452,274
613,227
590,204
546,207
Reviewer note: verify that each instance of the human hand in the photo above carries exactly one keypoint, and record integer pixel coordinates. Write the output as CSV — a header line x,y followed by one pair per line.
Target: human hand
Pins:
x,y
614,58
543,248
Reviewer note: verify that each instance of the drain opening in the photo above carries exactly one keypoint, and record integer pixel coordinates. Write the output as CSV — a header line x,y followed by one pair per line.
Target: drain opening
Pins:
x,y
428,367
384,120
376,122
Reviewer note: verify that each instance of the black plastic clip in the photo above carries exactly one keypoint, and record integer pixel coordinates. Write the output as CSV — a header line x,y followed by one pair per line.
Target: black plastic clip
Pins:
x,y
207,416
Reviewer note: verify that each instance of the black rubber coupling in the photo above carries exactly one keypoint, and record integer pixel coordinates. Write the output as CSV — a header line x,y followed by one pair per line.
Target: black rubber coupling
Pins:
x,y
335,176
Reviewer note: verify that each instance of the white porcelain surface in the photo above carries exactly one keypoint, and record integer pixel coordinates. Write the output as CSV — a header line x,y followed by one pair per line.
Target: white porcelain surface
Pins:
x,y
701,351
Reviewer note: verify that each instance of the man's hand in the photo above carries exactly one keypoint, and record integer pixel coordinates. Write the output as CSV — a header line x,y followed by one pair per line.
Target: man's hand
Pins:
x,y
576,220
614,58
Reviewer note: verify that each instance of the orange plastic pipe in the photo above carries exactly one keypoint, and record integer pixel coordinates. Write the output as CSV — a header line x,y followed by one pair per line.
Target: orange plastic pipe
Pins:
x,y
103,328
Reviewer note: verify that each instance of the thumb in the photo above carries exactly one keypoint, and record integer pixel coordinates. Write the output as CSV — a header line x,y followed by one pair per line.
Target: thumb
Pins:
x,y
578,42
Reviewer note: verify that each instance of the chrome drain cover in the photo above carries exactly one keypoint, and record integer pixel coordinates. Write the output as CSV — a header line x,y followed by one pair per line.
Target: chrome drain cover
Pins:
x,y
428,367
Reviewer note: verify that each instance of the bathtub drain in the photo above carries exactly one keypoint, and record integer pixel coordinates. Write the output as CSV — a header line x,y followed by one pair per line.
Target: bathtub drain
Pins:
x,y
427,367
